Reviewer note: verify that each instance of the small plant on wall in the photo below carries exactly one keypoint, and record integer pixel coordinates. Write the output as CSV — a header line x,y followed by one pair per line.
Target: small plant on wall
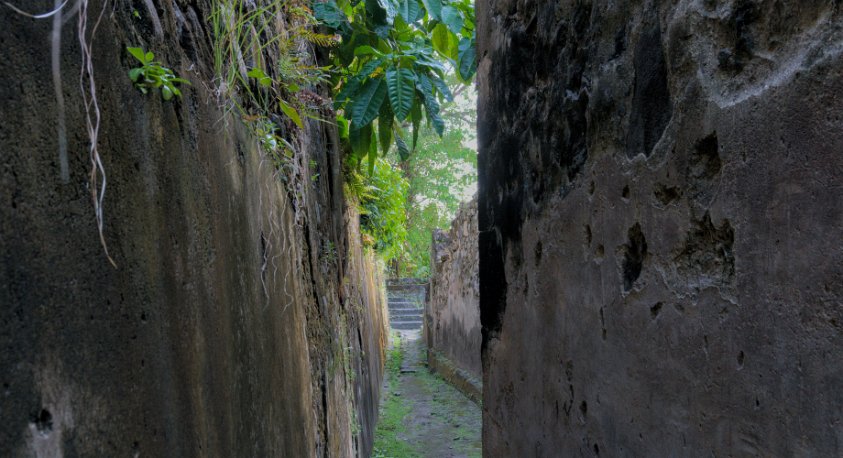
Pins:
x,y
152,75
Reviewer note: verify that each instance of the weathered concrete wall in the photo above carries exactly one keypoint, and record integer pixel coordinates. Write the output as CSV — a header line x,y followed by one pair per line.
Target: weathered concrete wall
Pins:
x,y
452,315
243,319
660,213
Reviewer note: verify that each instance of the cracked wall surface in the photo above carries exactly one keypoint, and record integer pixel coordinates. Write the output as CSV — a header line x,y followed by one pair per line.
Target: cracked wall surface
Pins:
x,y
243,319
660,215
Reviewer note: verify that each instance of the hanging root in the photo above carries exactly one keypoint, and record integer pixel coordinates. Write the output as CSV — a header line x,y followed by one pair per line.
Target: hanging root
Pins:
x,y
156,22
55,11
92,116
64,167
55,57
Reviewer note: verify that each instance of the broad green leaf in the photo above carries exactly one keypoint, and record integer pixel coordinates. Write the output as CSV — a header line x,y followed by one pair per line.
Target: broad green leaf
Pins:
x,y
403,151
149,57
349,90
342,126
430,104
433,116
452,18
138,54
409,10
401,85
385,121
440,39
366,50
372,159
434,8
468,59
166,93
425,86
135,73
360,140
425,57
443,88
370,67
367,103
291,112
329,14
454,47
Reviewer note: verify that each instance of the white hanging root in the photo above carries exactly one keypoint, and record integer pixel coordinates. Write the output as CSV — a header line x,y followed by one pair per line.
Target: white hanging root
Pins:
x,y
37,16
89,97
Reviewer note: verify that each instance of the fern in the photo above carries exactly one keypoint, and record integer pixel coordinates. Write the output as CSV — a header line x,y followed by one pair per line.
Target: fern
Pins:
x,y
321,39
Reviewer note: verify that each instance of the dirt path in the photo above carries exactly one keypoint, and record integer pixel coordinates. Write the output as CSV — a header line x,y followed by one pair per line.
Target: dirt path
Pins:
x,y
421,415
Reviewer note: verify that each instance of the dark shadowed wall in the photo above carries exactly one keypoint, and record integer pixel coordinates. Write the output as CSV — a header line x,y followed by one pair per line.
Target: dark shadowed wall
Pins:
x,y
660,212
243,318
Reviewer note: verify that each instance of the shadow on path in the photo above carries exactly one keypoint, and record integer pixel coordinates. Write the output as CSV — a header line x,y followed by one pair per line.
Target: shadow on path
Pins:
x,y
420,414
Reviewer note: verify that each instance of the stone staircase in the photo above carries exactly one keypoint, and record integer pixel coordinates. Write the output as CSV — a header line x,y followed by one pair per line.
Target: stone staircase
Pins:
x,y
406,303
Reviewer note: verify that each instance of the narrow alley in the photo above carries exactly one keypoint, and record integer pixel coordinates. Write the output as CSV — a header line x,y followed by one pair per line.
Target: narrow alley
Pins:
x,y
421,415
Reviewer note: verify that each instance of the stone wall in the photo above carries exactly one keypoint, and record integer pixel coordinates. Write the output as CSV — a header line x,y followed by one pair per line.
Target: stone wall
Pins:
x,y
660,222
243,318
452,315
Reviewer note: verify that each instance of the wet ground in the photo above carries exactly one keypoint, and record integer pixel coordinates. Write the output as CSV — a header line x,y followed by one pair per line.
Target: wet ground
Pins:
x,y
420,414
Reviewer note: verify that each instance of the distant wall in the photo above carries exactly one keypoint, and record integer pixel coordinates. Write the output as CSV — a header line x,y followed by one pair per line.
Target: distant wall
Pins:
x,y
660,212
243,319
452,315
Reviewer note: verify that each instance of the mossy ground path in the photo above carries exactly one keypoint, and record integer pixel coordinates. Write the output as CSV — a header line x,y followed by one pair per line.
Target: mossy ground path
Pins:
x,y
421,415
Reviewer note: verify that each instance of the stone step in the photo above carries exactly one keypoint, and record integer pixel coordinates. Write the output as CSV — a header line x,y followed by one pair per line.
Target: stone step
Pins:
x,y
404,307
405,319
406,326
409,300
405,312
414,293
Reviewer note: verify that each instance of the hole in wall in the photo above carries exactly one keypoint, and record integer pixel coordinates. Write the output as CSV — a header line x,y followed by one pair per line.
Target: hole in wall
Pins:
x,y
667,194
44,421
655,310
705,162
634,253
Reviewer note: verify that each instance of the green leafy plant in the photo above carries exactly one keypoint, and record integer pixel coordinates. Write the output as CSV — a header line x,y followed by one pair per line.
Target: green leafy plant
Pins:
x,y
261,70
393,60
382,196
152,75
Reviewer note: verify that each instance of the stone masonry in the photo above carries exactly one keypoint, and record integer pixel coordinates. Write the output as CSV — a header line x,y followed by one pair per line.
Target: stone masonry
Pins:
x,y
660,216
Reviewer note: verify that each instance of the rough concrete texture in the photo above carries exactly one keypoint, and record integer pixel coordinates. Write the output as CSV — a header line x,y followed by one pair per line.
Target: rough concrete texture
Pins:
x,y
243,318
660,212
452,315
